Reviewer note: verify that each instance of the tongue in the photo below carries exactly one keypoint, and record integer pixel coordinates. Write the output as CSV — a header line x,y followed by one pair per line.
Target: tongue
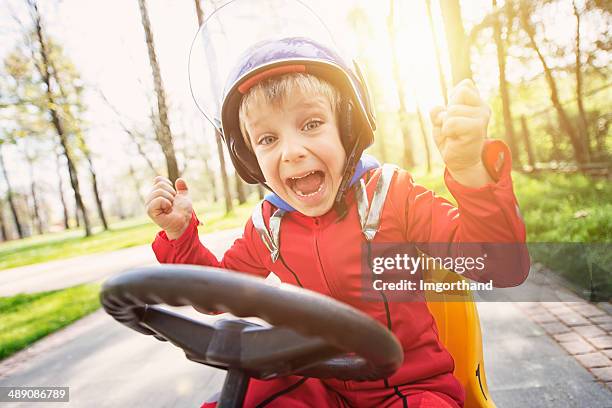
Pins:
x,y
309,184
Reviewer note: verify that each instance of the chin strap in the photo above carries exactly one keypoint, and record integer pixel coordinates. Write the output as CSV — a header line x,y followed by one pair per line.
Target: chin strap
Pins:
x,y
349,170
352,142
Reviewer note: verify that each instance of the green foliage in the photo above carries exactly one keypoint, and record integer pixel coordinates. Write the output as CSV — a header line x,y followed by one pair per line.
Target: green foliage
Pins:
x,y
565,207
27,318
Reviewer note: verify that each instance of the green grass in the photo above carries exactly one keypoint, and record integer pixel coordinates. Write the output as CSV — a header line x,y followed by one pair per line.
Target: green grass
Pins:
x,y
565,207
555,207
123,234
27,318
568,218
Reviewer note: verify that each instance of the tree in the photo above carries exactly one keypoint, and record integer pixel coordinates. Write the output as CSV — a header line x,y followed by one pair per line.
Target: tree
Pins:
x,y
136,136
41,56
164,136
3,232
361,24
525,12
456,40
240,189
503,83
401,94
70,90
434,38
37,217
10,196
224,177
583,125
60,188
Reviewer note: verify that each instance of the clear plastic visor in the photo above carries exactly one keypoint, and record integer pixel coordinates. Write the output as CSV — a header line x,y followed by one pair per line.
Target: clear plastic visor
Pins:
x,y
233,28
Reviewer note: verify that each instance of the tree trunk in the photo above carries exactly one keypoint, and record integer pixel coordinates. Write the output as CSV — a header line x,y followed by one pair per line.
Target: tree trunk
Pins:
x,y
96,191
583,124
229,206
425,139
164,136
527,139
77,216
3,232
240,189
503,88
260,192
55,118
579,154
9,197
402,113
85,149
458,47
94,179
36,219
224,178
61,191
441,78
212,179
556,153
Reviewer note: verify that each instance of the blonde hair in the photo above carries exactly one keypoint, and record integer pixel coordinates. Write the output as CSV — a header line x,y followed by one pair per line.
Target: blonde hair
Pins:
x,y
276,90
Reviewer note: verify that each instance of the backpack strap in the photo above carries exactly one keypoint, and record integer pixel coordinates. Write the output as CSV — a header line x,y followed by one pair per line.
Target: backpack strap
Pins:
x,y
271,237
369,214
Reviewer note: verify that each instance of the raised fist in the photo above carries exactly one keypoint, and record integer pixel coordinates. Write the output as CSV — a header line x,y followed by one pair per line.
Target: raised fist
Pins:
x,y
170,207
461,128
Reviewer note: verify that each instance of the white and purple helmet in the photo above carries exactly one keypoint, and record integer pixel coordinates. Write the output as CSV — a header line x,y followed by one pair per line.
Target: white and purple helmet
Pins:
x,y
296,41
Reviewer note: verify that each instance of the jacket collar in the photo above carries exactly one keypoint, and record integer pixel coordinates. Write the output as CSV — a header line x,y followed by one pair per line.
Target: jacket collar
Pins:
x,y
365,164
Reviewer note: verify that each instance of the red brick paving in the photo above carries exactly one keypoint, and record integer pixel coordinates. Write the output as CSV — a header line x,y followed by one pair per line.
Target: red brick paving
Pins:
x,y
556,328
565,337
603,374
606,327
577,347
582,329
589,331
593,360
605,319
573,319
602,343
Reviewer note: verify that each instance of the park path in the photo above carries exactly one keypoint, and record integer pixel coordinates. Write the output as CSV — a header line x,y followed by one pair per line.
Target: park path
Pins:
x,y
107,365
64,273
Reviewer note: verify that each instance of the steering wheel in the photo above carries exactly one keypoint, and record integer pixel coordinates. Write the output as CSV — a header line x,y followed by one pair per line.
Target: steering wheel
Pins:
x,y
312,335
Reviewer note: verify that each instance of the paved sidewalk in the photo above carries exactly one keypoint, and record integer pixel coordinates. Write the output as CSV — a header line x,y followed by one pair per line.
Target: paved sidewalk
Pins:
x,y
64,273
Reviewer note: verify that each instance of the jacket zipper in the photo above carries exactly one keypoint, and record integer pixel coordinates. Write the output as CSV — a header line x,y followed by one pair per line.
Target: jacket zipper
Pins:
x,y
316,242
347,385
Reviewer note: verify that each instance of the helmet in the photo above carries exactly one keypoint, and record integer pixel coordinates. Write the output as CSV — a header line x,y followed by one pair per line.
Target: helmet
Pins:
x,y
296,41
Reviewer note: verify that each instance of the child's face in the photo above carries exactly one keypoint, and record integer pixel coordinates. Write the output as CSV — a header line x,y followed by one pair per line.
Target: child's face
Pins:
x,y
298,148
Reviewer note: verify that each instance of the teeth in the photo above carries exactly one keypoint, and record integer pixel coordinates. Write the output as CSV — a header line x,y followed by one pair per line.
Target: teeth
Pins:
x,y
308,174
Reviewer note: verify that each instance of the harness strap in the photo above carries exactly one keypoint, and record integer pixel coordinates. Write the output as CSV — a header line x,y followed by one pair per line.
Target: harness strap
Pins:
x,y
369,214
271,237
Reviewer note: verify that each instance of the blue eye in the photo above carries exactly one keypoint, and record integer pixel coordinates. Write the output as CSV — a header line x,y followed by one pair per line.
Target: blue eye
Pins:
x,y
266,140
313,124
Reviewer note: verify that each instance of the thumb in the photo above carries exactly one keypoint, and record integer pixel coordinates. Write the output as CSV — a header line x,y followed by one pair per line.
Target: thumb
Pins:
x,y
435,114
181,186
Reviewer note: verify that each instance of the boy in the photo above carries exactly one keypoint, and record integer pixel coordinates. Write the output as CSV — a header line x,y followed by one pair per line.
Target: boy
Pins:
x,y
297,120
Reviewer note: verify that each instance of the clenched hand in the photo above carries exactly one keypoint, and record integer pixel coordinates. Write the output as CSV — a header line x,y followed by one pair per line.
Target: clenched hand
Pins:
x,y
170,207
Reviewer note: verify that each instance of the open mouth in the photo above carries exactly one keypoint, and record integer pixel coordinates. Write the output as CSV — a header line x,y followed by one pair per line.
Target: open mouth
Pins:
x,y
307,185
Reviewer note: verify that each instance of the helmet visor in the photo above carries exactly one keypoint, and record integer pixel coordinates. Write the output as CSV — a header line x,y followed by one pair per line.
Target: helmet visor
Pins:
x,y
218,51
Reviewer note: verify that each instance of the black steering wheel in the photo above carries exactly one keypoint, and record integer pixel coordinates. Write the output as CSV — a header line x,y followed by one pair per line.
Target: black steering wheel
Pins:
x,y
312,335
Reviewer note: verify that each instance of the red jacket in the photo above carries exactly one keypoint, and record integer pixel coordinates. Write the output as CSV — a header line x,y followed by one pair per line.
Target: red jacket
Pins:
x,y
315,253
